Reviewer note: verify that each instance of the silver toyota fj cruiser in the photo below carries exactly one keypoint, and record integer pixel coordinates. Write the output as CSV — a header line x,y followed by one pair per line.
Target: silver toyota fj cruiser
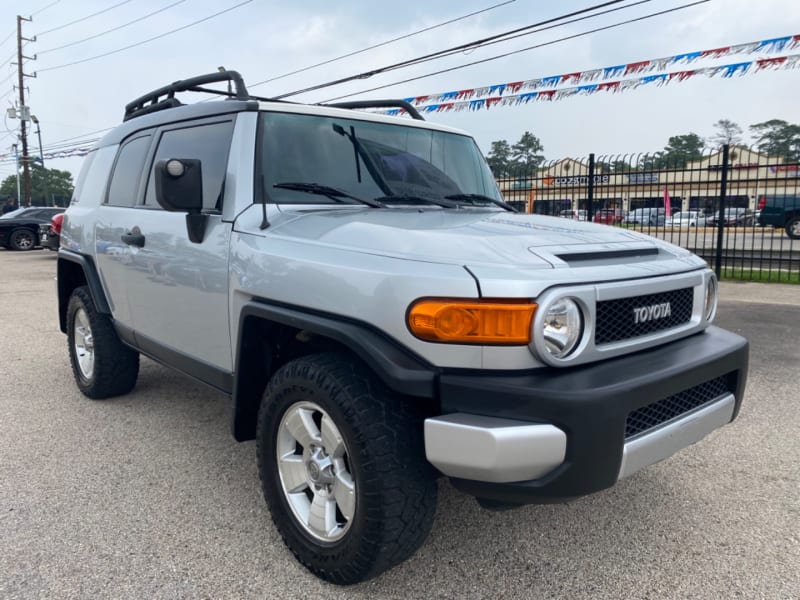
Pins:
x,y
380,317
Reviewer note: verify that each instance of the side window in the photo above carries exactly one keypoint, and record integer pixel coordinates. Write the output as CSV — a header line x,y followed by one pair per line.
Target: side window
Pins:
x,y
208,143
78,189
128,172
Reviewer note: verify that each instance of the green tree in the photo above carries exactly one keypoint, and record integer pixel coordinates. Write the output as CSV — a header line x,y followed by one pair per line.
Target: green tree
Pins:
x,y
526,153
499,158
680,149
778,138
614,166
727,132
46,185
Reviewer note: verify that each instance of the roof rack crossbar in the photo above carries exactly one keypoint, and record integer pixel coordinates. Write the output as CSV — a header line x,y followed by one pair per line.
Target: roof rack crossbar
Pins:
x,y
153,101
406,106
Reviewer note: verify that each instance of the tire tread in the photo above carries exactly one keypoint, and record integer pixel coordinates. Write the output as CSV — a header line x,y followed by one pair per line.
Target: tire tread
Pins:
x,y
116,366
389,431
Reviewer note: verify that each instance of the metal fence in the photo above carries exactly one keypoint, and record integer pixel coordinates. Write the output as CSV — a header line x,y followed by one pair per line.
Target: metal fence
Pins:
x,y
712,205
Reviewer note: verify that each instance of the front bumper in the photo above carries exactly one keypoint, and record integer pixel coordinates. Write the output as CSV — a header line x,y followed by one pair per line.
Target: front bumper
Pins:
x,y
498,438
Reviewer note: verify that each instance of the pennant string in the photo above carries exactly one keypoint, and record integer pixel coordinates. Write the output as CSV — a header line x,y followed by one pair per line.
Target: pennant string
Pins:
x,y
551,95
772,45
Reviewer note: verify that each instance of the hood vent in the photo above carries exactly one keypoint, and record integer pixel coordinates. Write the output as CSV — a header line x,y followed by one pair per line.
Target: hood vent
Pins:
x,y
629,254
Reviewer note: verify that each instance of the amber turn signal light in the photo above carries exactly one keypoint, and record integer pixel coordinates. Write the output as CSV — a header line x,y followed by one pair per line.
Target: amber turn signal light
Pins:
x,y
500,322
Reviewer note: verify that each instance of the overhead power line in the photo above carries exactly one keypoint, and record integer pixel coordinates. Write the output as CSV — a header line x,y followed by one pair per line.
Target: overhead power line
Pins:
x,y
80,138
386,43
208,18
460,48
33,14
107,31
506,54
8,37
99,12
44,8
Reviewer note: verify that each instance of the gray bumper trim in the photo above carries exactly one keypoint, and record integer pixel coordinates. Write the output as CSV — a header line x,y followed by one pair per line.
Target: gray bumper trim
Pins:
x,y
662,443
491,449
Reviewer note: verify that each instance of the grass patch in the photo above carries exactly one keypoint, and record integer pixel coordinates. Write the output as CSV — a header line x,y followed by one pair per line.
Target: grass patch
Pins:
x,y
760,276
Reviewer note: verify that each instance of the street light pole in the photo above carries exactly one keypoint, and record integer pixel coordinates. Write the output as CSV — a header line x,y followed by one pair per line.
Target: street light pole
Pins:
x,y
47,200
39,135
16,164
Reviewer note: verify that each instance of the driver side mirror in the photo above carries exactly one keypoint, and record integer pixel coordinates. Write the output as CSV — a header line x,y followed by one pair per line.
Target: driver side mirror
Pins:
x,y
179,185
179,188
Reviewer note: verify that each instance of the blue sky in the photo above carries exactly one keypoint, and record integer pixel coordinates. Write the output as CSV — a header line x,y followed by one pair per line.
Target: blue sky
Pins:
x,y
264,39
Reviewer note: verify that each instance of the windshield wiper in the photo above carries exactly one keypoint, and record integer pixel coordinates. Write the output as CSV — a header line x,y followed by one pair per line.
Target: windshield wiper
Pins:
x,y
477,199
359,150
412,199
325,190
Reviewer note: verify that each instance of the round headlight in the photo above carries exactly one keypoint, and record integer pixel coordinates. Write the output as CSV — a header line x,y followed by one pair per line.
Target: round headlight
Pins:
x,y
563,327
711,298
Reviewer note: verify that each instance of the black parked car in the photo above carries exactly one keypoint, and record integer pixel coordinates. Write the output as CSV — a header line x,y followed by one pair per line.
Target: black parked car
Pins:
x,y
19,229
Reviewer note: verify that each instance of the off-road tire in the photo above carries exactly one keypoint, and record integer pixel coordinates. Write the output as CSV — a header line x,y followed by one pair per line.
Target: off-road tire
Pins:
x,y
22,239
115,367
793,228
395,485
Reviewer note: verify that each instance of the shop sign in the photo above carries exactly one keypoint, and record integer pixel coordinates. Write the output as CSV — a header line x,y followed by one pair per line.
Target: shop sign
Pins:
x,y
643,178
790,170
750,165
575,180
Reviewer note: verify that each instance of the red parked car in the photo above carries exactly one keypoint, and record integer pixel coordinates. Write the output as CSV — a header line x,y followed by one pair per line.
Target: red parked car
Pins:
x,y
609,216
50,233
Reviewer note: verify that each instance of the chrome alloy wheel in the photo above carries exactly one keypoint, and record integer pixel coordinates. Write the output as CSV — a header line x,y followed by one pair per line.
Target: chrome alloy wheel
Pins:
x,y
315,472
23,240
84,343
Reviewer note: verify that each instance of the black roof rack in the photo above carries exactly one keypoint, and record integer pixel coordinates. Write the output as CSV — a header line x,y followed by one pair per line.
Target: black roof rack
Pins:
x,y
406,106
153,101
164,97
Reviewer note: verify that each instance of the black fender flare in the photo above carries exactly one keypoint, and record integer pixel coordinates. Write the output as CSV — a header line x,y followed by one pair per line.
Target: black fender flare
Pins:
x,y
400,369
66,283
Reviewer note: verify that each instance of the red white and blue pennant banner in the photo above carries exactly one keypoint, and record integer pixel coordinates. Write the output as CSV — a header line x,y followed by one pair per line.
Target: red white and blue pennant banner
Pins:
x,y
725,71
646,66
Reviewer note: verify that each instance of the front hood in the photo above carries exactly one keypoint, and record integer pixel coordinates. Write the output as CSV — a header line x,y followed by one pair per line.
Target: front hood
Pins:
x,y
463,237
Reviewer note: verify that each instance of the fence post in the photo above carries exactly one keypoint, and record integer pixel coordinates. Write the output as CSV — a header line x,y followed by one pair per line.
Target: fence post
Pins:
x,y
723,192
590,191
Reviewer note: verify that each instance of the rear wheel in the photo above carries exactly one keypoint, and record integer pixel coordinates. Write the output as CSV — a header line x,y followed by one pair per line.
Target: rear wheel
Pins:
x,y
343,469
102,365
793,228
22,239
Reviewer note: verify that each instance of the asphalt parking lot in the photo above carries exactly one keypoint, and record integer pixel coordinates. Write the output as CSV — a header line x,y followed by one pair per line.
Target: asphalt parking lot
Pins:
x,y
148,495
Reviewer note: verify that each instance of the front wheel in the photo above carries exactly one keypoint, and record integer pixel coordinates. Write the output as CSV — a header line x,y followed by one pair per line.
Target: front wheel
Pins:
x,y
793,228
102,365
343,468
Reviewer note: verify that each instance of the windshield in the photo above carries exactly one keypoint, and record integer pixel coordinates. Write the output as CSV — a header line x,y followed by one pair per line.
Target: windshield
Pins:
x,y
366,160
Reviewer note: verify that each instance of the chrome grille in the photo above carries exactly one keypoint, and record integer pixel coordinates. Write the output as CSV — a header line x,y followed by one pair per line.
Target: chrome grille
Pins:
x,y
658,413
616,319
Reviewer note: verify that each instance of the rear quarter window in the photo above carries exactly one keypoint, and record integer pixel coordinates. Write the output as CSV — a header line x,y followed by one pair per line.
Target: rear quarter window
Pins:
x,y
124,186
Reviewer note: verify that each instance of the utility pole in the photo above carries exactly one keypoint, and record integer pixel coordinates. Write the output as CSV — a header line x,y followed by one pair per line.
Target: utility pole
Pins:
x,y
24,112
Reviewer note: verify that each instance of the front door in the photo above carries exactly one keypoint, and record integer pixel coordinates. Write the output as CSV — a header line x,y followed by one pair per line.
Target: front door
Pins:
x,y
177,289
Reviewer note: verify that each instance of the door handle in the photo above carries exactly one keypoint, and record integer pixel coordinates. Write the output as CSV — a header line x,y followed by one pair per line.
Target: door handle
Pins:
x,y
134,238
